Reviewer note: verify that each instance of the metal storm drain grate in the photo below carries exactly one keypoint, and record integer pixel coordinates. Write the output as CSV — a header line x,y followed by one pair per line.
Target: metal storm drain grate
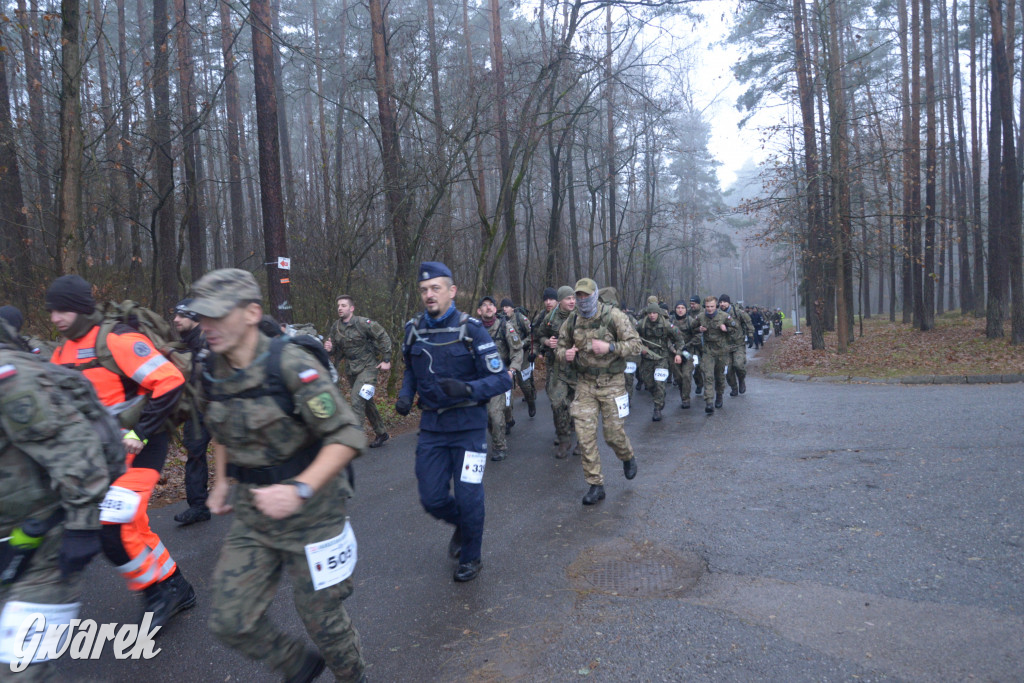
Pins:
x,y
637,570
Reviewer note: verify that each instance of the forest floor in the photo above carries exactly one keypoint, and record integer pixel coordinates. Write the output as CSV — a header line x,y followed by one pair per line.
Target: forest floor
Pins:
x,y
957,346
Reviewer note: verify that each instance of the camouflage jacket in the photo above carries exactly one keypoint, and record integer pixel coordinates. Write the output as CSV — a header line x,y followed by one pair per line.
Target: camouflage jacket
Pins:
x,y
609,324
510,346
548,327
256,432
361,343
523,327
50,456
716,341
744,326
690,329
661,338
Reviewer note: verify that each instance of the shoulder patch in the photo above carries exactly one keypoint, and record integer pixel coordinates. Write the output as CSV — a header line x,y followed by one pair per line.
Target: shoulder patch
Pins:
x,y
322,405
141,349
10,371
483,347
494,363
21,408
309,375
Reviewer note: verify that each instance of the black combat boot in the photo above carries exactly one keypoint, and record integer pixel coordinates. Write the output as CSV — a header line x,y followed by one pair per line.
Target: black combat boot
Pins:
x,y
657,415
709,409
743,385
686,404
733,392
718,400
531,408
595,494
379,441
168,597
312,666
629,467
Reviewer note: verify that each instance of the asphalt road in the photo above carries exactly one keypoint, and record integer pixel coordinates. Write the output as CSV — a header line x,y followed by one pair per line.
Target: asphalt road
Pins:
x,y
805,532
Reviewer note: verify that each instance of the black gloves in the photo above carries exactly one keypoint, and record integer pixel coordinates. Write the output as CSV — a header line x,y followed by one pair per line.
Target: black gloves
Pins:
x,y
77,547
455,388
403,405
531,357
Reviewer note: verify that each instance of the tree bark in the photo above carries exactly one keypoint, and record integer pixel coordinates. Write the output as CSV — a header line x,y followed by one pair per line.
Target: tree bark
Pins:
x,y
69,208
927,319
275,239
16,269
231,106
190,143
164,250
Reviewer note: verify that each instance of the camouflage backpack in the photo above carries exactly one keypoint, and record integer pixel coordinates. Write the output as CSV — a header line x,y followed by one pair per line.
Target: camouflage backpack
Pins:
x,y
164,339
78,390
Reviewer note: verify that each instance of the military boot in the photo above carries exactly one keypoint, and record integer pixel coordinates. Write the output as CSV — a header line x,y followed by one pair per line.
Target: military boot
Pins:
x,y
168,597
743,385
312,666
733,392
499,455
718,400
709,409
595,494
686,404
563,450
657,415
531,408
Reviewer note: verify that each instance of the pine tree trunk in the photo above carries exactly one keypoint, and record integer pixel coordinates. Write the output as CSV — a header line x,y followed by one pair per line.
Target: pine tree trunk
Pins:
x,y
69,193
165,257
16,268
275,239
238,237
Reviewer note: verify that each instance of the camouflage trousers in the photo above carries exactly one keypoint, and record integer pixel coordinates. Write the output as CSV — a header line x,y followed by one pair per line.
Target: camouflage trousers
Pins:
x,y
529,390
657,388
498,415
683,373
737,360
255,553
714,374
41,583
365,408
561,394
596,396
631,377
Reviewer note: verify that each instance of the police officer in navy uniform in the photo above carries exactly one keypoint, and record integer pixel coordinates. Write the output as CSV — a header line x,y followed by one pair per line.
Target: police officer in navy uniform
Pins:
x,y
453,364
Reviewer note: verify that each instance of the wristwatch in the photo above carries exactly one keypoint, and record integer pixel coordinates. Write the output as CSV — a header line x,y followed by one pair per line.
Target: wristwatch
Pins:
x,y
305,490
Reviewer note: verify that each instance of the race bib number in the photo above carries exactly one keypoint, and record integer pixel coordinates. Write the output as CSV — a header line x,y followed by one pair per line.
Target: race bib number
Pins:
x,y
473,467
696,361
14,618
508,398
367,391
119,505
527,372
622,403
630,367
332,561
660,374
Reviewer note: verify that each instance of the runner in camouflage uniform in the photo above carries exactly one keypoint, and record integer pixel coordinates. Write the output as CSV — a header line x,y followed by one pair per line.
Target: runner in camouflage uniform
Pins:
x,y
596,338
561,381
283,430
510,348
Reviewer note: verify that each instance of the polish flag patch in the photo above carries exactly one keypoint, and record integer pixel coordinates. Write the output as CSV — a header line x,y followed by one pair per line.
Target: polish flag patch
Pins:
x,y
7,371
309,375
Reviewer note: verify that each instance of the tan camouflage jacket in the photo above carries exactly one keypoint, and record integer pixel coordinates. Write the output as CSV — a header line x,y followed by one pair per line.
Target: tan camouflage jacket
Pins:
x,y
609,324
256,432
744,326
49,455
510,346
716,341
361,343
549,326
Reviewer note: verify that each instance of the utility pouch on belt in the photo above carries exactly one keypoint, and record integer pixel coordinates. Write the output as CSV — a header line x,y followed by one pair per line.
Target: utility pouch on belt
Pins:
x,y
17,552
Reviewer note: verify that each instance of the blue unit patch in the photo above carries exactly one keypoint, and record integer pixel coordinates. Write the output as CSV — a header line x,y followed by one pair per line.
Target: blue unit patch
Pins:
x,y
141,349
494,363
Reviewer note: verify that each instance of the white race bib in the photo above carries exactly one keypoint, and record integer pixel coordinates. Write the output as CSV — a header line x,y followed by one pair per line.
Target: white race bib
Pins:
x,y
726,371
119,505
332,561
508,398
696,361
527,372
13,618
630,367
622,403
367,391
473,467
660,374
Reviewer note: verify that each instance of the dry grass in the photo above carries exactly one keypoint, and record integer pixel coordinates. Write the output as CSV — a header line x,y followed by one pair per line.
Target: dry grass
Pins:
x,y
957,346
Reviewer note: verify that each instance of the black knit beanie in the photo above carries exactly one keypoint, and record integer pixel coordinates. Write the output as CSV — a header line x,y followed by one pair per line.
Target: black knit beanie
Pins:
x,y
70,293
12,316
